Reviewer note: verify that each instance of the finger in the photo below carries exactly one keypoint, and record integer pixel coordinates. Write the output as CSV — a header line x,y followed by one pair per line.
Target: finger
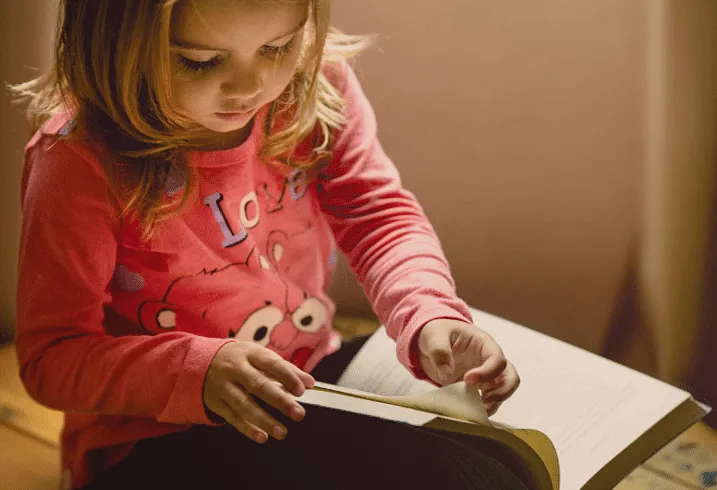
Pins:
x,y
232,418
306,378
277,383
247,409
463,342
490,385
259,385
281,370
510,383
492,408
437,346
494,364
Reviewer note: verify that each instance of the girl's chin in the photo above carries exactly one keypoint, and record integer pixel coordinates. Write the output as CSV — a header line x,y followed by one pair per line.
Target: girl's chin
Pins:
x,y
222,137
227,126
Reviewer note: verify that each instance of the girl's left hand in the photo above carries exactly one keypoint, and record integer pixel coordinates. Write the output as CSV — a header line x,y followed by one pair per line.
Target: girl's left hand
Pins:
x,y
451,350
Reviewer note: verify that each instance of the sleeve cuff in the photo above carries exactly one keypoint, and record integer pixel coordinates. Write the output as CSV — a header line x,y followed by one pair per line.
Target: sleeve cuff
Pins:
x,y
186,406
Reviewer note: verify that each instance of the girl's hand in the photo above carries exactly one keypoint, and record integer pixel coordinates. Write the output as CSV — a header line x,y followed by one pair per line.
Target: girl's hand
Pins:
x,y
452,350
242,369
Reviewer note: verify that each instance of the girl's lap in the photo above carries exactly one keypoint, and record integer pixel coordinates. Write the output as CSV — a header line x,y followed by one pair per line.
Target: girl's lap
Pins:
x,y
327,450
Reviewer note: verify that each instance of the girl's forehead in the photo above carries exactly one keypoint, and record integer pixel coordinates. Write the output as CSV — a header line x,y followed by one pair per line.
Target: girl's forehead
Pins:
x,y
226,24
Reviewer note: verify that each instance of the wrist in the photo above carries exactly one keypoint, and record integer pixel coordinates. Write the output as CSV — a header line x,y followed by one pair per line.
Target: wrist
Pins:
x,y
414,356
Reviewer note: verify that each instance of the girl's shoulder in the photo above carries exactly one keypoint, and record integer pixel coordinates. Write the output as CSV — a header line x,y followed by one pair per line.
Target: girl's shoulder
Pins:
x,y
61,124
62,131
339,73
343,78
60,148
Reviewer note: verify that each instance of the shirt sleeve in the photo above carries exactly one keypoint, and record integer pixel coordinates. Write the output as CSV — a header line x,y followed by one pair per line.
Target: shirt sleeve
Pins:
x,y
67,360
383,231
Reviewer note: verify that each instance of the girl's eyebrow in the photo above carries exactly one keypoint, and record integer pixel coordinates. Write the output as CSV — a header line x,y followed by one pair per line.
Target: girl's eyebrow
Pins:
x,y
182,44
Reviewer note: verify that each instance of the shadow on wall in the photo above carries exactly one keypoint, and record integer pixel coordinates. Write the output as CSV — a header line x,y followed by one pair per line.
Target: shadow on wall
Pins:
x,y
26,32
703,377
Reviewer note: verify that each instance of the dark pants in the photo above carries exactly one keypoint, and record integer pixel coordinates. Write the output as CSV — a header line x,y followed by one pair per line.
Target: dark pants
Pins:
x,y
328,450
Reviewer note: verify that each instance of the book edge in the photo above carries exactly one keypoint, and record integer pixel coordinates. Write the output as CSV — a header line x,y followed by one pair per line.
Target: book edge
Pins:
x,y
648,444
533,465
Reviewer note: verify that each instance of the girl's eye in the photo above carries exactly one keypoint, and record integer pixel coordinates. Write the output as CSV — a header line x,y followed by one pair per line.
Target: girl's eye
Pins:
x,y
271,52
199,66
276,52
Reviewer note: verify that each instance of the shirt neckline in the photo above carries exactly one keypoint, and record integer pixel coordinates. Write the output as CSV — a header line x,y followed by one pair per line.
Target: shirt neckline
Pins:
x,y
230,156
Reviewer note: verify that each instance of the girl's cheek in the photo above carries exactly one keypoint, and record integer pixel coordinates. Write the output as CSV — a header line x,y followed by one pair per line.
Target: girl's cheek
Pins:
x,y
187,90
187,98
285,72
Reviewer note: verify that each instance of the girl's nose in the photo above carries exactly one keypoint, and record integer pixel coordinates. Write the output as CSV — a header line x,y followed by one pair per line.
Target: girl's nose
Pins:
x,y
244,85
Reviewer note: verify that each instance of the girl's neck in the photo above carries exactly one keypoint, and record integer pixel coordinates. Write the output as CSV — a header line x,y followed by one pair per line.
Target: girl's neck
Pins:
x,y
227,141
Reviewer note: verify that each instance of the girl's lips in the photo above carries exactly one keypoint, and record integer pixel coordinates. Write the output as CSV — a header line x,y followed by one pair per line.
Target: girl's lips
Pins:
x,y
232,116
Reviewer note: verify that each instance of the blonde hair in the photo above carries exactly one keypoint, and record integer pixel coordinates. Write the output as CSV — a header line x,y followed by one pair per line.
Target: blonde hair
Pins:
x,y
112,67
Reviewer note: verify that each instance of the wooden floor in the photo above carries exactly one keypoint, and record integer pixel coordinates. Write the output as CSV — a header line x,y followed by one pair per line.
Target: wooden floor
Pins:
x,y
29,455
26,463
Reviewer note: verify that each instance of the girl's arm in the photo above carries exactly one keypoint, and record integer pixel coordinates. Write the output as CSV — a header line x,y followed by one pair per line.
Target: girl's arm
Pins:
x,y
67,259
382,229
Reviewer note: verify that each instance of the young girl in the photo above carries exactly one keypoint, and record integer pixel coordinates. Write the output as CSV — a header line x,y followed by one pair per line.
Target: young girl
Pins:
x,y
197,164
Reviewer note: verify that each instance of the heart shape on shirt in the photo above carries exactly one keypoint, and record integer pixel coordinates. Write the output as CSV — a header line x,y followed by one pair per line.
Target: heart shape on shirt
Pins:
x,y
127,280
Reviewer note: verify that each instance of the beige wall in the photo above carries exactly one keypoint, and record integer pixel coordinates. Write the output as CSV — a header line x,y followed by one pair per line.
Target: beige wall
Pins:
x,y
519,126
26,31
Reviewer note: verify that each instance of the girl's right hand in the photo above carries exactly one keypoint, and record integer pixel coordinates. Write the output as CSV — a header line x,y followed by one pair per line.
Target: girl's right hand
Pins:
x,y
241,369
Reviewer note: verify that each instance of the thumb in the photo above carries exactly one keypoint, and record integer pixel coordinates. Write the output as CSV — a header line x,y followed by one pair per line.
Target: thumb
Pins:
x,y
437,347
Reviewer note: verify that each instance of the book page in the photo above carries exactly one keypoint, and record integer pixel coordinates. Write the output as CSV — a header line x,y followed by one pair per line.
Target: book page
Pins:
x,y
591,408
455,401
336,400
375,369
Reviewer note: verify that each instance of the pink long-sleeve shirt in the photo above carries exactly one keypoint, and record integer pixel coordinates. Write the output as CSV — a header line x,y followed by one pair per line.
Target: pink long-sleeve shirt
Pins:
x,y
119,332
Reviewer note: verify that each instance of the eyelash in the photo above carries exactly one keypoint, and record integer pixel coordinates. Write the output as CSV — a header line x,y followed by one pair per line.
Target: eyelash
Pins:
x,y
199,66
270,52
274,52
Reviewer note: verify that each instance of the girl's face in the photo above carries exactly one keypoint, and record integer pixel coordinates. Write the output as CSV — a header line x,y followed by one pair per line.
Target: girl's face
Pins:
x,y
231,57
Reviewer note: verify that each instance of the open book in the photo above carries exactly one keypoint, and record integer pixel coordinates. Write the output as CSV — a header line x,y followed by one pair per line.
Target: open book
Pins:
x,y
578,421
376,384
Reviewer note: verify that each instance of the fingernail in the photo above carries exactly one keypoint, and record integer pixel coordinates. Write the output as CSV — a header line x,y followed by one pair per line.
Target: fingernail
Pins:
x,y
297,413
261,437
279,432
446,371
